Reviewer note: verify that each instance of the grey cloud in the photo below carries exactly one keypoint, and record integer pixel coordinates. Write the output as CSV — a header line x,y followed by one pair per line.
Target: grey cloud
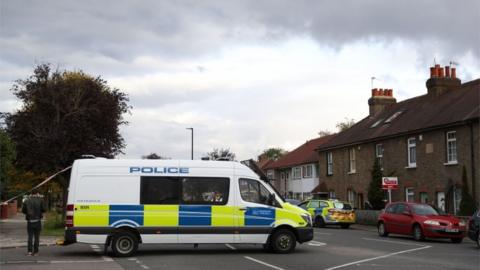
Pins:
x,y
124,29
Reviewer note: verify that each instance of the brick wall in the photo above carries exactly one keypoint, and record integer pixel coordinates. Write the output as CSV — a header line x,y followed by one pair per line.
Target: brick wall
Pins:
x,y
431,174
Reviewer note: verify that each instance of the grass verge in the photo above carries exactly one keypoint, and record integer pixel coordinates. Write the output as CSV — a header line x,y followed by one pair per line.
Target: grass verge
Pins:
x,y
53,225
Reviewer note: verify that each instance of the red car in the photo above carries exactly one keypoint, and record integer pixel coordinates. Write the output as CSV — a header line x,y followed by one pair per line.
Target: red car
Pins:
x,y
421,221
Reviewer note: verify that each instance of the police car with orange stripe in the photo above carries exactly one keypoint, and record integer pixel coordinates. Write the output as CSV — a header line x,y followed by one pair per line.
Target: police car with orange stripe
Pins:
x,y
122,203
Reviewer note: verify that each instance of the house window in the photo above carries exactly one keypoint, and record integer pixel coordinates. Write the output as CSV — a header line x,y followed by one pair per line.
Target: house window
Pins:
x,y
270,174
317,170
451,147
412,152
331,194
351,197
307,171
351,157
379,154
297,173
409,195
329,163
423,197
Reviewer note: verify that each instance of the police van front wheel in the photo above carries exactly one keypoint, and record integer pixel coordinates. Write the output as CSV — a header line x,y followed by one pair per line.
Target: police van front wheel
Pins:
x,y
283,241
124,244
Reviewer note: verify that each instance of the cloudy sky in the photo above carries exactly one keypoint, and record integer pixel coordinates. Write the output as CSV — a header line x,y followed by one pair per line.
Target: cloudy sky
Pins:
x,y
246,75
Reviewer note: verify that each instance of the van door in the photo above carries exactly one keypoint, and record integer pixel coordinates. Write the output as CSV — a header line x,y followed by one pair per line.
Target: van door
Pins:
x,y
255,218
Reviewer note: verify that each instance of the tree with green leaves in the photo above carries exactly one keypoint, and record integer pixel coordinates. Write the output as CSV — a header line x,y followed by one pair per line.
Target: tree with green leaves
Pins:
x,y
64,115
273,153
153,156
221,154
7,157
467,204
346,124
375,191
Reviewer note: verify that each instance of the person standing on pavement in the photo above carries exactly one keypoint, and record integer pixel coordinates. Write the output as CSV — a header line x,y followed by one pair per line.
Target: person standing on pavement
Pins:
x,y
33,208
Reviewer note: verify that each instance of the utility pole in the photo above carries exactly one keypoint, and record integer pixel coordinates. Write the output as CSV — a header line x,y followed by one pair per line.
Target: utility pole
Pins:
x,y
192,140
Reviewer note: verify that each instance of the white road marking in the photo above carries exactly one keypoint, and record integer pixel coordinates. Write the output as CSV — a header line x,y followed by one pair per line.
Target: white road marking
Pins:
x,y
85,261
94,246
264,263
144,266
393,242
378,257
231,247
132,259
107,259
316,244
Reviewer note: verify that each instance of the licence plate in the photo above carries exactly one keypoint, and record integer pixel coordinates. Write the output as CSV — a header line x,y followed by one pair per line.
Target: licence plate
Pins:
x,y
451,230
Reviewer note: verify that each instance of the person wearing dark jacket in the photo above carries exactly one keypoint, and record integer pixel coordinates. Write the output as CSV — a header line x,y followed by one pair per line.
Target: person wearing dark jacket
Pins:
x,y
33,208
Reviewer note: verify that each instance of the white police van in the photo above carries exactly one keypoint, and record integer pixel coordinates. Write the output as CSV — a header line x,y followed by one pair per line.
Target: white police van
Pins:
x,y
121,203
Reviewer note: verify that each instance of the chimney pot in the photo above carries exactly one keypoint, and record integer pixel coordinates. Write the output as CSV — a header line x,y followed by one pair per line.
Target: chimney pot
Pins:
x,y
454,73
432,72
447,71
374,92
440,74
390,93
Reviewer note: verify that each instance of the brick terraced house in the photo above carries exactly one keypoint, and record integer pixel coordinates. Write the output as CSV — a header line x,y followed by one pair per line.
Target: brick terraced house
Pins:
x,y
425,141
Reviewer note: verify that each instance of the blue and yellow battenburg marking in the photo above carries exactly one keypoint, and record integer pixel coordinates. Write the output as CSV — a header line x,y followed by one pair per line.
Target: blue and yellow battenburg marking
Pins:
x,y
175,215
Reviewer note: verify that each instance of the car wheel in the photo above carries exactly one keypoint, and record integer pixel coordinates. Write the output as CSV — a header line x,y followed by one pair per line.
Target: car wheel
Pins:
x,y
319,222
124,244
456,240
345,226
418,233
382,231
283,241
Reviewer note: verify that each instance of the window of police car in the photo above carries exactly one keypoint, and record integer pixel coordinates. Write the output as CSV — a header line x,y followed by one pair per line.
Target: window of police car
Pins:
x,y
189,190
253,191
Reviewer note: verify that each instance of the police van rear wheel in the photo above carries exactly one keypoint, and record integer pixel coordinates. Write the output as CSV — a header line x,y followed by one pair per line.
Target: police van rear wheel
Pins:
x,y
283,241
319,222
124,244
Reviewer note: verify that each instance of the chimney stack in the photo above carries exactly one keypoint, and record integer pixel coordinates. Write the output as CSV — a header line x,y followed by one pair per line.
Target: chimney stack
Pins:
x,y
442,80
381,98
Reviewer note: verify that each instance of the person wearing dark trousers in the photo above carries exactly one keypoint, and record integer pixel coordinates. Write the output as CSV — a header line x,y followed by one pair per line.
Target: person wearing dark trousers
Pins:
x,y
33,208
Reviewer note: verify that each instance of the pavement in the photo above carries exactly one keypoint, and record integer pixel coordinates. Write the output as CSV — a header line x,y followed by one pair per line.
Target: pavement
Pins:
x,y
13,233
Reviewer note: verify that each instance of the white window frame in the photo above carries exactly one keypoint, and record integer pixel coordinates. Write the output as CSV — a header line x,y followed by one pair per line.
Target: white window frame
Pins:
x,y
451,145
410,145
270,174
379,150
297,173
307,171
409,191
329,163
352,166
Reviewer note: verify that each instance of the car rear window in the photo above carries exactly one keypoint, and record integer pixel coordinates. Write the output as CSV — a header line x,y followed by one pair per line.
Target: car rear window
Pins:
x,y
343,206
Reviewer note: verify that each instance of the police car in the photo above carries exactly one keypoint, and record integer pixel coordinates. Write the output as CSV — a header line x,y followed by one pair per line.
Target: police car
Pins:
x,y
330,212
122,203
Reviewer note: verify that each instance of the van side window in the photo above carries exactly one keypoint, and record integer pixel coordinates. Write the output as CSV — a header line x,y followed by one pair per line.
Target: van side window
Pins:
x,y
252,191
159,190
206,191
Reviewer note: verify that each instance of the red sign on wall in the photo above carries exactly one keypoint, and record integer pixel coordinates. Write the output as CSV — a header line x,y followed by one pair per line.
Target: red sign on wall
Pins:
x,y
389,182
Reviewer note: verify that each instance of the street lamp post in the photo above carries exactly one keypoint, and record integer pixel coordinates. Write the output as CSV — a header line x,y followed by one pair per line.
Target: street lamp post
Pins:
x,y
192,140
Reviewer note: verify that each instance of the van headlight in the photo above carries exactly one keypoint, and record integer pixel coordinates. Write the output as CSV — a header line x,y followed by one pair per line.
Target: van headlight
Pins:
x,y
308,220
